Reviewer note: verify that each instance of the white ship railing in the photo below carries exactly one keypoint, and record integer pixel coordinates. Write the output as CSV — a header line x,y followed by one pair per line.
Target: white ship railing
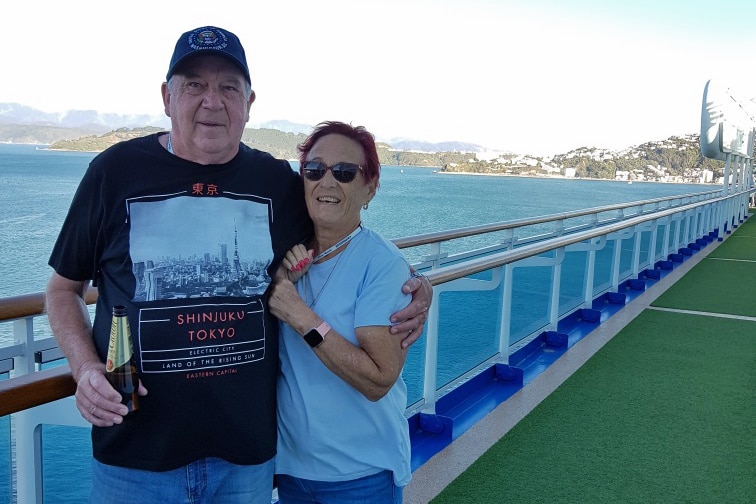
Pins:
x,y
664,227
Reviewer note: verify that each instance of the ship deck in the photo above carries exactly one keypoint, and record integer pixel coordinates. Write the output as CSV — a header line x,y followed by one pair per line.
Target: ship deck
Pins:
x,y
654,405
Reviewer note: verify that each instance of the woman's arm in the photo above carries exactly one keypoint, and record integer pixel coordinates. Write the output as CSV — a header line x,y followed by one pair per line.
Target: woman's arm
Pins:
x,y
371,368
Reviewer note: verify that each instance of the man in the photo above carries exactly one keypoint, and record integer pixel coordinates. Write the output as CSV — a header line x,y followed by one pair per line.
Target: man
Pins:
x,y
184,229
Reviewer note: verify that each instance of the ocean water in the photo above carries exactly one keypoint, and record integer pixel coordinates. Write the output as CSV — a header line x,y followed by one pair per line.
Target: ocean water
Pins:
x,y
38,186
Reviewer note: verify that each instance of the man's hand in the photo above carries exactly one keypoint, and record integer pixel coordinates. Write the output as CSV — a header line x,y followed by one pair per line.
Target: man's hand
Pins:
x,y
98,402
412,318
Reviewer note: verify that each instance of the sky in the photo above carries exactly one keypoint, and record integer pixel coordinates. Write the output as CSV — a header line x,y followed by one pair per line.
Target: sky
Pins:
x,y
529,76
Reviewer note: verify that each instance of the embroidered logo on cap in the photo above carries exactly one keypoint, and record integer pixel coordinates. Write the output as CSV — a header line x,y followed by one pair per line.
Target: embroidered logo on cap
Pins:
x,y
208,38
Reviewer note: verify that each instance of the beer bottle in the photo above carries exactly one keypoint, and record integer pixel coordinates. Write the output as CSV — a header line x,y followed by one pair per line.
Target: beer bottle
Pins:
x,y
120,368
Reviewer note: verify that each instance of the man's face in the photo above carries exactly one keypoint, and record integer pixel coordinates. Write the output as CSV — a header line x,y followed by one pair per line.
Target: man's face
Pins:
x,y
208,109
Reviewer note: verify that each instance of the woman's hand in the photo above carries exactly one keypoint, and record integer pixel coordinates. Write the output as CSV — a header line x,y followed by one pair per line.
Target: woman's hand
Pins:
x,y
285,302
297,261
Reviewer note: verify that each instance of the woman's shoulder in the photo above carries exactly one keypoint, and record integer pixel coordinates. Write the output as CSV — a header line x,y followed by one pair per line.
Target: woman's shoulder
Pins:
x,y
377,242
380,253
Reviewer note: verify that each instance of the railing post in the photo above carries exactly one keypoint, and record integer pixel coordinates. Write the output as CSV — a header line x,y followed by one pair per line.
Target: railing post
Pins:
x,y
701,222
719,216
687,233
26,458
431,356
23,332
556,287
666,245
679,232
559,227
436,255
616,262
742,185
636,251
508,240
732,212
725,192
652,244
505,321
590,269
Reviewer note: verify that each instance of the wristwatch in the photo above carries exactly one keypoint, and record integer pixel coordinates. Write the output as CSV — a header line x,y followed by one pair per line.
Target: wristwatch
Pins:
x,y
316,335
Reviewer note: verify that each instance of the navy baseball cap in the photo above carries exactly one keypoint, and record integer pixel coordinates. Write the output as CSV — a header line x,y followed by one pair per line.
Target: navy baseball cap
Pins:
x,y
212,40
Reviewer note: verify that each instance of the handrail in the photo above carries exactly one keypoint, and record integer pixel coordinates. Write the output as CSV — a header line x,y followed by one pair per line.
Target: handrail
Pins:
x,y
34,389
22,306
472,266
451,234
32,305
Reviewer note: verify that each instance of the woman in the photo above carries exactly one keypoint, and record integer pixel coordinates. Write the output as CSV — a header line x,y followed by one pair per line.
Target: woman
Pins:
x,y
342,435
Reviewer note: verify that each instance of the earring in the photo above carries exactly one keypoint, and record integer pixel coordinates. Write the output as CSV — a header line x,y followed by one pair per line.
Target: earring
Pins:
x,y
365,206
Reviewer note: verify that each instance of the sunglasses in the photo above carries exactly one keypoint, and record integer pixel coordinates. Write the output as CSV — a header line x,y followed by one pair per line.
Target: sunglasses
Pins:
x,y
342,172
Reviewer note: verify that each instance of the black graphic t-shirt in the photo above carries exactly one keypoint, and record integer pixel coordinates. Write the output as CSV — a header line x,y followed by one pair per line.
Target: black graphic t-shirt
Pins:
x,y
189,249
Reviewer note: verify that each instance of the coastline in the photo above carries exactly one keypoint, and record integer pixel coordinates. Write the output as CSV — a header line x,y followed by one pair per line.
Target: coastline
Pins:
x,y
563,177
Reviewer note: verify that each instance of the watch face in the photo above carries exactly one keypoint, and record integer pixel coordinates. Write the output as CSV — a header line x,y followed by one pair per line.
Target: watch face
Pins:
x,y
313,338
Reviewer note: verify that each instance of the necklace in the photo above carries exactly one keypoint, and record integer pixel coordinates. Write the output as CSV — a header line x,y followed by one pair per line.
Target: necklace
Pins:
x,y
168,144
308,285
341,242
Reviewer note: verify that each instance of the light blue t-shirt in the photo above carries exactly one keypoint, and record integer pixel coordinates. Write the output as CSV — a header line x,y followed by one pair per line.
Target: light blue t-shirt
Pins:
x,y
327,430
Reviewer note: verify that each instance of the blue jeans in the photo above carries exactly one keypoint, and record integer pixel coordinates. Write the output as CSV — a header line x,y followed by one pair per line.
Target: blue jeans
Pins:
x,y
205,481
376,489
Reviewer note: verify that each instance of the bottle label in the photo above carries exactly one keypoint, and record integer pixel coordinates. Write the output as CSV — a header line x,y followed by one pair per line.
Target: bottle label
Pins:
x,y
119,346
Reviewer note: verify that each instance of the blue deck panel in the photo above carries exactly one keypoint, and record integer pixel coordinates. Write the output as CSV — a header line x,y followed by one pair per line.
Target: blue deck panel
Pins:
x,y
459,410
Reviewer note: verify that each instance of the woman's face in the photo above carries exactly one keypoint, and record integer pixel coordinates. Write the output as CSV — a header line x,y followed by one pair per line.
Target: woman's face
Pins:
x,y
335,206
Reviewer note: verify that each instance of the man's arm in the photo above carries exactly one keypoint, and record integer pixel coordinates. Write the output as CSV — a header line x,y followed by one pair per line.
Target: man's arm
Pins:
x,y
412,318
98,402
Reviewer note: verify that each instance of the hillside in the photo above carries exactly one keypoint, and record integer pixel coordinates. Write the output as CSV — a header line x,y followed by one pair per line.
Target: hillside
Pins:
x,y
98,143
676,159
